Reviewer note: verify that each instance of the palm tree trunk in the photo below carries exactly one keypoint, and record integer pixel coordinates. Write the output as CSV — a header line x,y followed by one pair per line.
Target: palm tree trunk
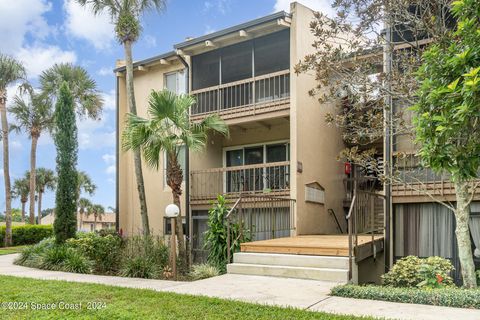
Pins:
x,y
136,154
462,216
39,208
23,210
33,161
6,169
94,222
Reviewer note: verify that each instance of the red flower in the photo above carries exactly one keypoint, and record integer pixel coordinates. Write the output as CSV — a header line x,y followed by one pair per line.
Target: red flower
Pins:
x,y
439,278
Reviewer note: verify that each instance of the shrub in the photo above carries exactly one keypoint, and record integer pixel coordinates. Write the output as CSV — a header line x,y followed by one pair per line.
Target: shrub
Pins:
x,y
29,257
478,277
144,257
412,271
52,258
216,235
448,297
27,234
76,262
203,271
104,250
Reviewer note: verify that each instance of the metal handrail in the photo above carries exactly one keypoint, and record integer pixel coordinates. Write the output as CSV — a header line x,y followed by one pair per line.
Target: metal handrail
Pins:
x,y
332,212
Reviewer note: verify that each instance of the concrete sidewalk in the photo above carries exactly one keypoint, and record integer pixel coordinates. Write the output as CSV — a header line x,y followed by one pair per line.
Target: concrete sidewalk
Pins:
x,y
297,293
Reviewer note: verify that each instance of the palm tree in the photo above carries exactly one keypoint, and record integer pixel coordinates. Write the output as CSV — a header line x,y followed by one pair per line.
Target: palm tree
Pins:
x,y
85,184
167,130
11,71
21,189
33,114
45,180
87,98
83,206
98,212
126,16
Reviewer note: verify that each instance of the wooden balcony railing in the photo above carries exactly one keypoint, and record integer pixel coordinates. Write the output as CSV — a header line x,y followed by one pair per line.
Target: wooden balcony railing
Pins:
x,y
272,178
270,92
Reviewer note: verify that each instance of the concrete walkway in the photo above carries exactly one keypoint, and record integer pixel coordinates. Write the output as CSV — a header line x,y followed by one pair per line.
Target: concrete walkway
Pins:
x,y
304,294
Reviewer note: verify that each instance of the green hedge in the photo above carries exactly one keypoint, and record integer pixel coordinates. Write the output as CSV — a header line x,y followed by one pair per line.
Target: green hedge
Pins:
x,y
448,297
27,234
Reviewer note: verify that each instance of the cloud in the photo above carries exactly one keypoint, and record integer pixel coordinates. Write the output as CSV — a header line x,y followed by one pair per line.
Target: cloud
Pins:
x,y
81,23
109,100
150,41
222,6
323,6
105,71
95,134
20,18
109,158
111,169
38,58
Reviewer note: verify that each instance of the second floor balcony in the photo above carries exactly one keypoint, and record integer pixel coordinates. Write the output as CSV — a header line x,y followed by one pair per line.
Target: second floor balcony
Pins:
x,y
253,96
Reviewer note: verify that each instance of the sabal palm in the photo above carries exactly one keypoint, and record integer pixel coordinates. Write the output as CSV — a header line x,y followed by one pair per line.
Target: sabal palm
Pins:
x,y
165,131
85,185
87,98
45,180
98,211
83,206
34,115
125,14
21,189
11,71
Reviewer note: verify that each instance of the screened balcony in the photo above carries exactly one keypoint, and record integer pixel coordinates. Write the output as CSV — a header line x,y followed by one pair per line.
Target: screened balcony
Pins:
x,y
247,78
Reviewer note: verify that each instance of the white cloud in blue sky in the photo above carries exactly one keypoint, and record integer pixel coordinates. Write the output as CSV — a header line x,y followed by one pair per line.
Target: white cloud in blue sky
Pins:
x,y
318,5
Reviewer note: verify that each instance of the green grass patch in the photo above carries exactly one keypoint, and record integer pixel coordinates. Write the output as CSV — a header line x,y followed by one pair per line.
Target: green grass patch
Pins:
x,y
447,297
126,303
11,250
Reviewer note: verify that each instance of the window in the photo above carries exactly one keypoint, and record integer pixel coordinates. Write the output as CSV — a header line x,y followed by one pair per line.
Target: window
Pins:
x,y
181,160
176,81
167,226
272,53
257,179
205,70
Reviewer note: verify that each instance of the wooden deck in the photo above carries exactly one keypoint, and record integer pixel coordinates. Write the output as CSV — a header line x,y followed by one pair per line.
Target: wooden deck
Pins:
x,y
320,245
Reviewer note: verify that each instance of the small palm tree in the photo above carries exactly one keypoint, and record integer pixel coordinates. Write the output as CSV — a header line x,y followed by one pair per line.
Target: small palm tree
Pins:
x,y
85,184
45,180
83,207
11,71
167,130
86,96
125,14
34,115
98,212
21,189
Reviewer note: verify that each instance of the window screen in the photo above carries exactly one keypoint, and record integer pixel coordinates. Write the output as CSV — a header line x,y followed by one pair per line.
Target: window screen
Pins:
x,y
205,70
237,62
272,53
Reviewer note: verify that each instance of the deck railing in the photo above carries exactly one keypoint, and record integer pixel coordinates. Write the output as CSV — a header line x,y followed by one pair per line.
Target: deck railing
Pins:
x,y
249,94
273,178
259,217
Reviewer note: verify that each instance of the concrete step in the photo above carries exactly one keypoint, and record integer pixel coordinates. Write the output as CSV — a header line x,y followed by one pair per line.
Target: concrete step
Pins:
x,y
324,274
291,260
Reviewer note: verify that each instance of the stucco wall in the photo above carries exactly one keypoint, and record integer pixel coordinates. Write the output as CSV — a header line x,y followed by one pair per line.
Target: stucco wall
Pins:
x,y
315,145
158,195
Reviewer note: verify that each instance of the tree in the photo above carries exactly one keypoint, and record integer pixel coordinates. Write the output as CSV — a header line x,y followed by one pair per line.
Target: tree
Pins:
x,y
86,97
33,114
84,206
447,117
65,137
45,180
126,16
98,212
11,71
85,184
167,129
21,189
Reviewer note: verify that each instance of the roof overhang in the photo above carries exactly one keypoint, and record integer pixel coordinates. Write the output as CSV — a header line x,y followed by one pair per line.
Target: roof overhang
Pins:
x,y
143,65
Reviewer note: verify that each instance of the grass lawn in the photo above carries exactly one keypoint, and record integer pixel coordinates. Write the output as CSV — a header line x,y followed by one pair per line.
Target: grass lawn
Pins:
x,y
125,303
10,250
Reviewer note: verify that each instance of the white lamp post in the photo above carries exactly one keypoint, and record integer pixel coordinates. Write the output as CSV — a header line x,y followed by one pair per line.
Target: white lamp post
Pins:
x,y
172,211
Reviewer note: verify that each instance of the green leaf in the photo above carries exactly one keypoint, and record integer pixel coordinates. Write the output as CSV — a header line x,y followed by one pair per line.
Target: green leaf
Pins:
x,y
452,86
473,72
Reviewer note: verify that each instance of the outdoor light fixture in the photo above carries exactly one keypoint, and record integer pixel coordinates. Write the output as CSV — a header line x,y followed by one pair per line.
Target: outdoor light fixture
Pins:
x,y
172,211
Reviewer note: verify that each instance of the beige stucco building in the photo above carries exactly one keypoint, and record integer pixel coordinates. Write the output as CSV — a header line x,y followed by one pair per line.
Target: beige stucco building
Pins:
x,y
279,144
87,223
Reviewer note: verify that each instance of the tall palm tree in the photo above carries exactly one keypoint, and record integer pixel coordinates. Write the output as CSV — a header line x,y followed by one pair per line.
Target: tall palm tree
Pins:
x,y
45,180
86,96
98,212
11,71
21,189
34,115
85,185
167,129
126,16
83,206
